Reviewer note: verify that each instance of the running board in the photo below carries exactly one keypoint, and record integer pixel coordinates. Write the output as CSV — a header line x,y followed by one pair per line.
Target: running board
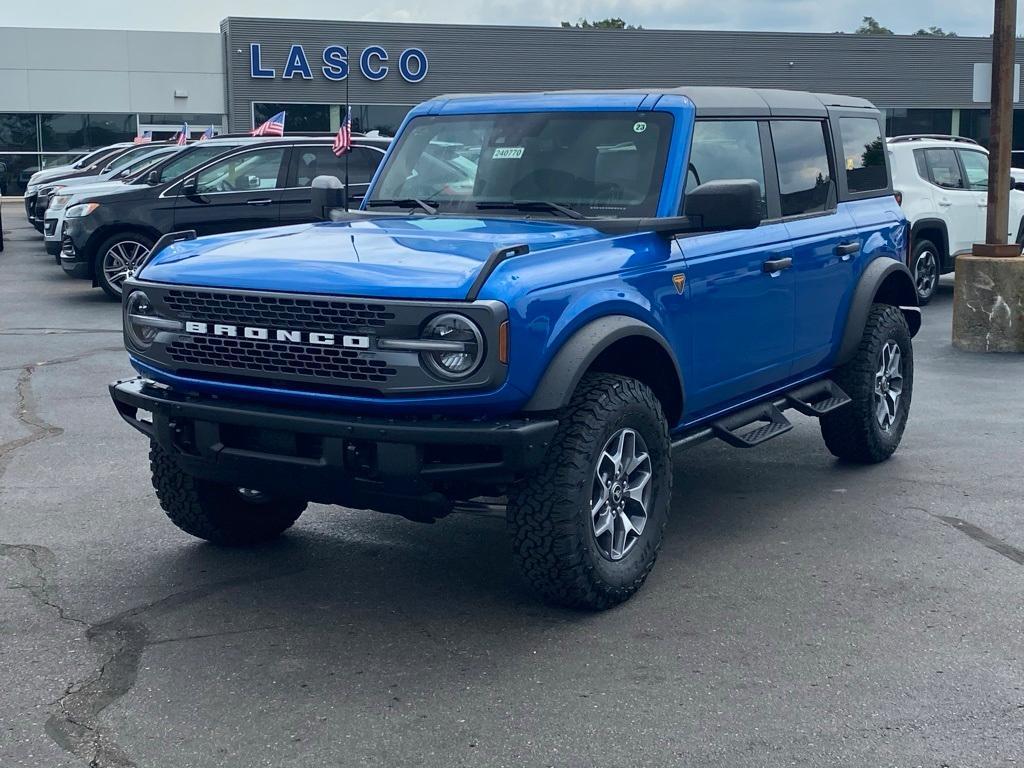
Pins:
x,y
766,418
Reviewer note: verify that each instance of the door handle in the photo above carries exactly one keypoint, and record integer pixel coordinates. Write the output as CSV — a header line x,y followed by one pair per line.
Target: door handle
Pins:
x,y
846,250
776,265
945,203
266,201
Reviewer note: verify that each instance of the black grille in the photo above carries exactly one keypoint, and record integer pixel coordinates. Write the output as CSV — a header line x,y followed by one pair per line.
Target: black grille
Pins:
x,y
278,312
328,364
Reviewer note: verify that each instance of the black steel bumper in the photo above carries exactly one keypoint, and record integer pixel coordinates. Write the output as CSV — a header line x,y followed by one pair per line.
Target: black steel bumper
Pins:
x,y
372,463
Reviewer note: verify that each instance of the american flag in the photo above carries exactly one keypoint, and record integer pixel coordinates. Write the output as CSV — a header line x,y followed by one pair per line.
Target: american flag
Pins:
x,y
145,138
183,136
343,141
273,127
207,134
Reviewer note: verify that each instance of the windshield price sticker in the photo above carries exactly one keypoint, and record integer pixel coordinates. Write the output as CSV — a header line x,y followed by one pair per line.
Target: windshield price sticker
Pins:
x,y
507,153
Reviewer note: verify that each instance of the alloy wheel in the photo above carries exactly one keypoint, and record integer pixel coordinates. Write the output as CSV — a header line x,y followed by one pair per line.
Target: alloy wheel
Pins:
x,y
926,273
888,385
621,493
120,261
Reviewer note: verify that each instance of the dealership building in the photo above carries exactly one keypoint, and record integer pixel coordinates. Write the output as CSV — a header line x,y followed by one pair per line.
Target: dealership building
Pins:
x,y
63,91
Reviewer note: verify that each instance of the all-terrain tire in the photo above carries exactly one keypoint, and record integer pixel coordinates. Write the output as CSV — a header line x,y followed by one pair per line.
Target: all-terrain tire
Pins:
x,y
927,266
855,431
549,513
216,512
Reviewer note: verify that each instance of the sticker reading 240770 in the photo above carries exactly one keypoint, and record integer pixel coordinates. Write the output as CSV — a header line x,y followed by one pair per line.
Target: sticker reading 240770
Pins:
x,y
507,153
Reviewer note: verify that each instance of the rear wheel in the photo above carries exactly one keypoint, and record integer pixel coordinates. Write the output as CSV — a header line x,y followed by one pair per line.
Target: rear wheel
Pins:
x,y
926,270
117,257
222,514
586,528
880,382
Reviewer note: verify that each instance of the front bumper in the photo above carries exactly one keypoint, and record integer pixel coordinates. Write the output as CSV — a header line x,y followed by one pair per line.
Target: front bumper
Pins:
x,y
373,463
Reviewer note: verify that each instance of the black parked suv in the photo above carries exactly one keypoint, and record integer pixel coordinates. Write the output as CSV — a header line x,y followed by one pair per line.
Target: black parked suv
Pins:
x,y
264,182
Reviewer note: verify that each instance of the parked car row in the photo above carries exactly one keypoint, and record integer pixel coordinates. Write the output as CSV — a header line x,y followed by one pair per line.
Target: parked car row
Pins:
x,y
101,215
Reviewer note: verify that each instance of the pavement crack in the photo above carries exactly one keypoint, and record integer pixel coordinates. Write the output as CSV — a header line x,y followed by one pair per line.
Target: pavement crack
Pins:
x,y
26,413
984,537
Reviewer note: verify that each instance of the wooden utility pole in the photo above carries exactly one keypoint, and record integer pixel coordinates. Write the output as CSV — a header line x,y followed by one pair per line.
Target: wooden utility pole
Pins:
x,y
1004,40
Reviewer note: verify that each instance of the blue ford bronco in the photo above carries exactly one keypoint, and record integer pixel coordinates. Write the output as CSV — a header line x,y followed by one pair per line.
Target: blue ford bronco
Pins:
x,y
541,297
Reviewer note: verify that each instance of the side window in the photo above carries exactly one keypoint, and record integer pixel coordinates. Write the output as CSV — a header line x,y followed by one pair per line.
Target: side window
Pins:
x,y
922,164
863,154
976,168
805,179
725,150
242,173
943,168
311,162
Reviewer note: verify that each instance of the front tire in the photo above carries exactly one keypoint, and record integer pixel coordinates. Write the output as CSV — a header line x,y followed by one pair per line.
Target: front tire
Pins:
x,y
587,526
926,270
116,257
880,382
219,513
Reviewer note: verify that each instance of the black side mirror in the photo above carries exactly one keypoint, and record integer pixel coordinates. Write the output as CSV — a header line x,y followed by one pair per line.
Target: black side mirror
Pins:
x,y
1017,184
188,187
328,192
722,205
153,178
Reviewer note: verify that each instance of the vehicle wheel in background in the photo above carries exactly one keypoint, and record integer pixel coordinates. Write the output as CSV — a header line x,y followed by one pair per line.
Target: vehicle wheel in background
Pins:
x,y
926,270
587,526
117,257
219,513
880,382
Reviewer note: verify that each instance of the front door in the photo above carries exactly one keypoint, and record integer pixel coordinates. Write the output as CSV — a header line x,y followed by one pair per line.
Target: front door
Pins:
x,y
740,287
975,165
956,203
242,191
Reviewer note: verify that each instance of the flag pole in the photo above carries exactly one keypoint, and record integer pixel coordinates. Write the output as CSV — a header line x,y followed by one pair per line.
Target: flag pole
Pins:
x,y
348,116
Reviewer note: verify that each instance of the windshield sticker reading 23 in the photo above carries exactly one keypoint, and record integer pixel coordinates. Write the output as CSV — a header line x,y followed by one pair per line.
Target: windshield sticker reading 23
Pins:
x,y
507,153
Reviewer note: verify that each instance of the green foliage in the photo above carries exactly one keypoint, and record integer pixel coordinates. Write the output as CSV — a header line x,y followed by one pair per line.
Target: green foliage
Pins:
x,y
615,23
934,32
871,27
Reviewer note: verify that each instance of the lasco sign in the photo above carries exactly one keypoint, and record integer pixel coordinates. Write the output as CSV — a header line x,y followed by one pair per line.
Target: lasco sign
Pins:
x,y
374,63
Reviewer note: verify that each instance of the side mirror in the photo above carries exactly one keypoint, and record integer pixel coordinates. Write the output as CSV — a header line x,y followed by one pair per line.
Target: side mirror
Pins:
x,y
328,192
188,187
723,205
153,178
1017,183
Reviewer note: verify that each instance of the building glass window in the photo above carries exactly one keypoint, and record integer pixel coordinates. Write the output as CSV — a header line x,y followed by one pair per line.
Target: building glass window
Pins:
x,y
326,118
904,122
863,155
15,170
76,131
18,132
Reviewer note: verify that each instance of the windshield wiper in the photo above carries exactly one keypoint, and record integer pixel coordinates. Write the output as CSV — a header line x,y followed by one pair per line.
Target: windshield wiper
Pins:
x,y
531,205
407,202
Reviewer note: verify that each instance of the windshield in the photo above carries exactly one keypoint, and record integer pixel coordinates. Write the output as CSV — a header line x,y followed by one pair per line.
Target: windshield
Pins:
x,y
85,161
192,158
145,162
604,164
126,158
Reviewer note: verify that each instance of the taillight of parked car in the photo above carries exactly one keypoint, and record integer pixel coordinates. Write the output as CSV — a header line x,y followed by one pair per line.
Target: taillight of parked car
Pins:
x,y
899,197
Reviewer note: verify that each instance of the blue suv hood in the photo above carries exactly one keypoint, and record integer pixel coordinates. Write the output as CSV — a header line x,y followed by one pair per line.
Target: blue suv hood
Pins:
x,y
409,258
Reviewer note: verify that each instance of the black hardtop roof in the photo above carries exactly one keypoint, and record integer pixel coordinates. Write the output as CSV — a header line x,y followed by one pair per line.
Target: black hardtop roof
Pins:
x,y
714,100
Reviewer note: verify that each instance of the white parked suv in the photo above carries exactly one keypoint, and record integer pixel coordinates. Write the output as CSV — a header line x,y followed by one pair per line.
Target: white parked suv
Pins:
x,y
942,184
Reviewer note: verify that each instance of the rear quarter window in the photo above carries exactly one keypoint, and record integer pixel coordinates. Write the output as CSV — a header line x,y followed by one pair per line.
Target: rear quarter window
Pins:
x,y
863,155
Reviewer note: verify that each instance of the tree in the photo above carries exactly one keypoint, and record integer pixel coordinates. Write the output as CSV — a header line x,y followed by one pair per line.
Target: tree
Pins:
x,y
871,27
615,23
934,32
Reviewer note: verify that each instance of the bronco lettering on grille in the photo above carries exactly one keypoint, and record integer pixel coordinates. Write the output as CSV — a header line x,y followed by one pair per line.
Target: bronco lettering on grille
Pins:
x,y
268,334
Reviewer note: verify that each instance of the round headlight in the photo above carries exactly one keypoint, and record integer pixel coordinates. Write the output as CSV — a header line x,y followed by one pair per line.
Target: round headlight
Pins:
x,y
465,345
136,309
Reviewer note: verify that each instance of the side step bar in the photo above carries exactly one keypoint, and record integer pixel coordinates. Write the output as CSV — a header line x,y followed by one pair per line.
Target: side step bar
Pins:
x,y
760,423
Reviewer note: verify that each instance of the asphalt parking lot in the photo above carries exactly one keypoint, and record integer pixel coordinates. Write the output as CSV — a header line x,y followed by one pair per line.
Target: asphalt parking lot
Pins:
x,y
802,612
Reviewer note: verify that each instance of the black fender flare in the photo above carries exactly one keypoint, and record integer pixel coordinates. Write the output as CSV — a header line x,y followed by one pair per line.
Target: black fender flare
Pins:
x,y
578,353
899,290
945,257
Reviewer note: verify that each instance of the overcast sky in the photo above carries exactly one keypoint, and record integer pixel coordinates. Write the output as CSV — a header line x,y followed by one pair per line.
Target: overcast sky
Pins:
x,y
966,17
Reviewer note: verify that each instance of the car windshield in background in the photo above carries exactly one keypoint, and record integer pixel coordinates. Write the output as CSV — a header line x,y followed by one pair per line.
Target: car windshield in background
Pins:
x,y
606,164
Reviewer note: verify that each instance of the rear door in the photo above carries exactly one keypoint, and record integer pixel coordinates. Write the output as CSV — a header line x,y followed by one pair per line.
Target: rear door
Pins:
x,y
824,236
312,160
238,192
